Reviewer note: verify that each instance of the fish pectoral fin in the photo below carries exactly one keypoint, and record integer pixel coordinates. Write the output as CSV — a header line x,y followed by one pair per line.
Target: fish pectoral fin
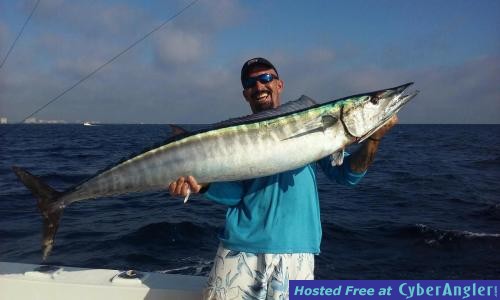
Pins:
x,y
318,124
337,158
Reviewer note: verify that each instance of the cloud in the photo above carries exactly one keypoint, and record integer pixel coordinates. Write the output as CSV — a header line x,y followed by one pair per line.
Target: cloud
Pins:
x,y
188,40
321,55
161,80
467,92
211,16
96,18
178,75
180,47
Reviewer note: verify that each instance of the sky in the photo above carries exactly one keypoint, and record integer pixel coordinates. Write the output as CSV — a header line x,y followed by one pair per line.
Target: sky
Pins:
x,y
188,71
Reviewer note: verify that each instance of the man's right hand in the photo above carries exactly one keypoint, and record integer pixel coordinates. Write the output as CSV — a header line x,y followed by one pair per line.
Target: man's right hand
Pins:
x,y
181,186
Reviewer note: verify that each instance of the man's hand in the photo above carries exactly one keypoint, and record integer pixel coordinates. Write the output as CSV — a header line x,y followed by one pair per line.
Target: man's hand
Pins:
x,y
183,185
364,156
384,129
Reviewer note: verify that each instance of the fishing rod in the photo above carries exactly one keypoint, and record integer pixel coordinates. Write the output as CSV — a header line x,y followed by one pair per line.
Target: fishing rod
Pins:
x,y
109,61
19,34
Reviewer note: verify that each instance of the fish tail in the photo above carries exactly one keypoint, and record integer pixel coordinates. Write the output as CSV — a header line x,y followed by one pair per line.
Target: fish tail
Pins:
x,y
47,204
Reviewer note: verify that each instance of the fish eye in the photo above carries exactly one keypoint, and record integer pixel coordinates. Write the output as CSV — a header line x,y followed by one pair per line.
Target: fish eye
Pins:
x,y
374,100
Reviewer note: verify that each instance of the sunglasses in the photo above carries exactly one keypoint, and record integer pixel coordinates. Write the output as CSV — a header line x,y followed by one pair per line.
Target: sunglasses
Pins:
x,y
262,78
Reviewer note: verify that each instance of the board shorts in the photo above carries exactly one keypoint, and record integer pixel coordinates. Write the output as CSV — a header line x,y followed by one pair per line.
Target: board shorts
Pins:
x,y
243,275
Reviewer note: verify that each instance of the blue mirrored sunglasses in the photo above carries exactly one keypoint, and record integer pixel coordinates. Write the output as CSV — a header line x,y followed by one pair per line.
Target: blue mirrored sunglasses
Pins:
x,y
262,78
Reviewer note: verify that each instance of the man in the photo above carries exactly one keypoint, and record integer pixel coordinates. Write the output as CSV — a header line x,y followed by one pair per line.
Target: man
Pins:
x,y
273,228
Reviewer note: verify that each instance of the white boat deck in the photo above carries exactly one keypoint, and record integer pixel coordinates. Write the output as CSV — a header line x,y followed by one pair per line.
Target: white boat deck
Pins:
x,y
27,281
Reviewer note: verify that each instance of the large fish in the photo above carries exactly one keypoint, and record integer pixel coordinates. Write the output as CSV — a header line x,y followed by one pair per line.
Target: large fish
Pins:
x,y
273,141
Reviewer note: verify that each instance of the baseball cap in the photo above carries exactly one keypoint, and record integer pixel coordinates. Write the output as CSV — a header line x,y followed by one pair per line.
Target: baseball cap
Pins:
x,y
249,64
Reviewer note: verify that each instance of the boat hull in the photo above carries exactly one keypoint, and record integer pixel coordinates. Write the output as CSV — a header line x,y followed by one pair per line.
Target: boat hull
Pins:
x,y
27,281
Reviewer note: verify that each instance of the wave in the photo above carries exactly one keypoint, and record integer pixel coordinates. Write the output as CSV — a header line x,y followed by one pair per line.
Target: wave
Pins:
x,y
491,212
182,248
331,228
172,233
436,237
489,163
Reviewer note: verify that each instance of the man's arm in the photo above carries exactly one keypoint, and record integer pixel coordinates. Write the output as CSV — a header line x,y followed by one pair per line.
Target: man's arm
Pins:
x,y
364,156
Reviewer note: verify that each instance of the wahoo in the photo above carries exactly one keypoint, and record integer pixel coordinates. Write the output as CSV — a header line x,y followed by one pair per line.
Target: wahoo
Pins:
x,y
290,136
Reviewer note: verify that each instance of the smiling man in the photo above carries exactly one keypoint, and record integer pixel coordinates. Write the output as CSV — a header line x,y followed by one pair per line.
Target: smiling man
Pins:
x,y
273,227
261,84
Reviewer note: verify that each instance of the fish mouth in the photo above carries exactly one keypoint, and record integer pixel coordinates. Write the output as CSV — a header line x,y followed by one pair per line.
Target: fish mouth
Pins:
x,y
399,100
391,101
395,105
396,92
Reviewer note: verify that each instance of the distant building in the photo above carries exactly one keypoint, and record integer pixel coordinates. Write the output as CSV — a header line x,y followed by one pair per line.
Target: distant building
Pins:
x,y
30,121
3,120
42,121
52,121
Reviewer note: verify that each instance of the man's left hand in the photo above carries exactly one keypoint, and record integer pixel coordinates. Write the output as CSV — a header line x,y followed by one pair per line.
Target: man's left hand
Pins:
x,y
384,129
364,156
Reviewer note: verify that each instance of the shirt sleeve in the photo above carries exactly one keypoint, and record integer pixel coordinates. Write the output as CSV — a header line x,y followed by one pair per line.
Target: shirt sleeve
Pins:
x,y
225,193
341,174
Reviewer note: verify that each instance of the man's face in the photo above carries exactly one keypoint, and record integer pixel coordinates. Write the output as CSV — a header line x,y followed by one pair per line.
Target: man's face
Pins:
x,y
263,96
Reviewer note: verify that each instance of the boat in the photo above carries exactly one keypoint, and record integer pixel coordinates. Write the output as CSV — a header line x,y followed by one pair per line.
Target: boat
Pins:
x,y
87,124
30,281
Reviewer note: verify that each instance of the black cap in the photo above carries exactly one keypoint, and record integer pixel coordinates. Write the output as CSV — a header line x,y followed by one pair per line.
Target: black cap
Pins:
x,y
249,64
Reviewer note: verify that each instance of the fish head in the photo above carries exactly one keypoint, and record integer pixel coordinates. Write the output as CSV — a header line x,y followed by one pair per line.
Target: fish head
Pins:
x,y
365,113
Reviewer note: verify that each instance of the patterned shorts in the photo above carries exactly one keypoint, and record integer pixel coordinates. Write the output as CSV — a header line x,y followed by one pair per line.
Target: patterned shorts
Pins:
x,y
242,275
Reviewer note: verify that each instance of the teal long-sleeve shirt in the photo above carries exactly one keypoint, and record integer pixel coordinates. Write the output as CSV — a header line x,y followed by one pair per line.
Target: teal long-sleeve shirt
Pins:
x,y
278,213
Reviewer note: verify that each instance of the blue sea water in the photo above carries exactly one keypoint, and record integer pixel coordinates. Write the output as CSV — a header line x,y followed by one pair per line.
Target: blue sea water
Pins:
x,y
429,207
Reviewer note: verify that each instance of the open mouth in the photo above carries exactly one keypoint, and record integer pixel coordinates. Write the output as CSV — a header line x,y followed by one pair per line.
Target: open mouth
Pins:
x,y
262,97
401,100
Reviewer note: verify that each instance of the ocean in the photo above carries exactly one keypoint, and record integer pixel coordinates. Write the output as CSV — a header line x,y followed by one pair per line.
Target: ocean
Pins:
x,y
428,208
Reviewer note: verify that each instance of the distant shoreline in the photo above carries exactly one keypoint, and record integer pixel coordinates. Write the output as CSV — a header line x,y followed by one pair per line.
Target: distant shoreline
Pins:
x,y
166,124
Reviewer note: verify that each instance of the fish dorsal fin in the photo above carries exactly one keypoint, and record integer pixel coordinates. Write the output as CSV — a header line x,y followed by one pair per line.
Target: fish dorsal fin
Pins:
x,y
177,130
302,103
